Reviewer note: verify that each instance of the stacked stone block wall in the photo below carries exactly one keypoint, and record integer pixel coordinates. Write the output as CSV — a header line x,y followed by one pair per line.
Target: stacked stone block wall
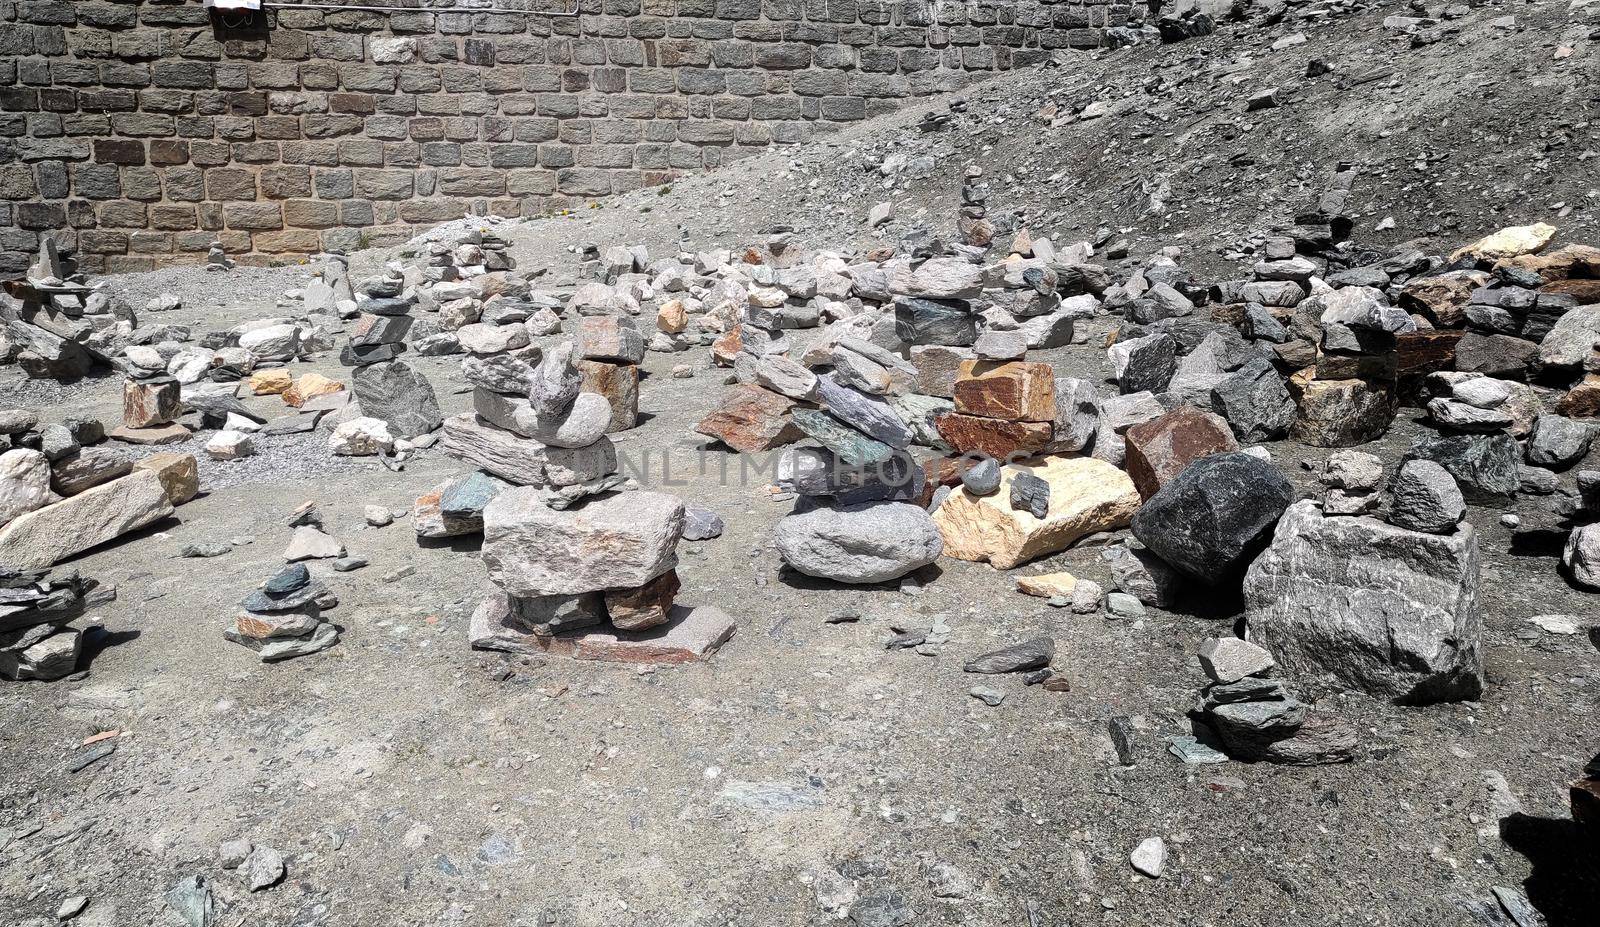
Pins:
x,y
140,132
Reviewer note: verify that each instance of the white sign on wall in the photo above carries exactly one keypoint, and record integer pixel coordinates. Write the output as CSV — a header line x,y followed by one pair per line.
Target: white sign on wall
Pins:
x,y
234,4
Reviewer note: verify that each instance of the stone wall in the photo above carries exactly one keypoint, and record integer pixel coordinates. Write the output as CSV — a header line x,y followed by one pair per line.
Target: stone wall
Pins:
x,y
142,131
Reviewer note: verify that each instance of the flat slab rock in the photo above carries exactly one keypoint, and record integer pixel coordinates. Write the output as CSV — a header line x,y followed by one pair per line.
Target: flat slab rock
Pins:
x,y
46,536
524,461
1086,496
690,634
616,542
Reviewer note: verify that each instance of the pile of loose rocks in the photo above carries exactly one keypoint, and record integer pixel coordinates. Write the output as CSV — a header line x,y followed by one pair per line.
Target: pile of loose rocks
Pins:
x,y
36,607
63,491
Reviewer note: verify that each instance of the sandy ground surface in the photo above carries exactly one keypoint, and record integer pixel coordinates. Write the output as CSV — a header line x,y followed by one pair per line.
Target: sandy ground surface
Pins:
x,y
412,781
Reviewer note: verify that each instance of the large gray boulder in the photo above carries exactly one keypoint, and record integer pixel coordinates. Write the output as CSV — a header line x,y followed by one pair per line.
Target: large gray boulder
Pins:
x,y
1570,342
1255,402
1380,608
617,542
871,542
1211,518
1558,442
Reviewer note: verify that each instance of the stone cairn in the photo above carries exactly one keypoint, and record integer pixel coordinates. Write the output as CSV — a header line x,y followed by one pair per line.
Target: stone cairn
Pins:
x,y
217,258
532,426
611,349
35,609
571,544
387,390
283,619
1255,717
857,519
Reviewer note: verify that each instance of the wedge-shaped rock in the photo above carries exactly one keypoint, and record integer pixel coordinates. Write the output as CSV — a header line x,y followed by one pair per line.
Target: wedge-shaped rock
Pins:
x,y
1086,496
617,542
46,536
1382,609
751,419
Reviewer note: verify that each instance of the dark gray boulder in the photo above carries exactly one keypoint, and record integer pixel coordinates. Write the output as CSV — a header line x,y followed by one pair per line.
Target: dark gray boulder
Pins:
x,y
1213,517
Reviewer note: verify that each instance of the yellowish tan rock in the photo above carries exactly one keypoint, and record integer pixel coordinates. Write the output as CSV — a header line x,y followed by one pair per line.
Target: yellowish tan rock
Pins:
x,y
1086,495
672,318
1046,585
308,387
179,475
1509,242
270,382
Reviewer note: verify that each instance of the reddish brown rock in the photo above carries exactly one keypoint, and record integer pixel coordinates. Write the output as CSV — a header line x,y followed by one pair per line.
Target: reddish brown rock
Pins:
x,y
1583,400
1017,391
619,383
149,403
725,350
1356,366
1419,354
644,607
752,419
1426,351
940,471
1586,292
1161,448
1442,299
999,439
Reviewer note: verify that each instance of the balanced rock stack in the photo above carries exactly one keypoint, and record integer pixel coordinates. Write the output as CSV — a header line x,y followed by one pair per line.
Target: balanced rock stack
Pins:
x,y
52,333
610,349
1256,717
857,520
283,619
533,427
387,391
217,258
1479,419
385,319
1349,396
935,318
35,609
569,552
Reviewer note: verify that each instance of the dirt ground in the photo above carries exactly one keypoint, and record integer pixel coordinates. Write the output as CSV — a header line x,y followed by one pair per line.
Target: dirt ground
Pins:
x,y
411,781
